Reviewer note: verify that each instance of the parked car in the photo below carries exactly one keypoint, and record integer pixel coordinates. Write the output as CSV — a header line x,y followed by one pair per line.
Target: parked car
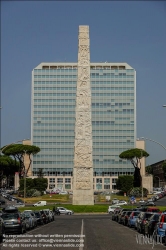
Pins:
x,y
122,203
142,221
13,222
154,198
63,192
10,209
142,201
1,229
119,213
125,218
32,219
44,216
121,216
39,217
160,227
112,208
66,211
56,212
52,214
27,221
49,214
150,225
149,199
35,219
115,201
115,214
150,203
149,209
153,209
20,205
2,202
132,218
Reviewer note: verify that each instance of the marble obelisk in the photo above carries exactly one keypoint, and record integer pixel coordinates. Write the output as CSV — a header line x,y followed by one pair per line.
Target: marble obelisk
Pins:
x,y
83,163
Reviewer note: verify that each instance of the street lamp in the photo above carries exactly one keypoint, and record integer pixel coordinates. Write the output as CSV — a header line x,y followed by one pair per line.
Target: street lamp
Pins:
x,y
153,141
164,106
158,144
159,180
25,175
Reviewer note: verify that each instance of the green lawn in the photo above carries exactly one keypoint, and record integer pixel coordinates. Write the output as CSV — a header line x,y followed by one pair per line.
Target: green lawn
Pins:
x,y
47,197
85,208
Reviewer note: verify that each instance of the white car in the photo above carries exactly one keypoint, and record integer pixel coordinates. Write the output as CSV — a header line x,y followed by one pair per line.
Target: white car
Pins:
x,y
142,201
19,205
64,210
63,192
112,208
115,201
121,203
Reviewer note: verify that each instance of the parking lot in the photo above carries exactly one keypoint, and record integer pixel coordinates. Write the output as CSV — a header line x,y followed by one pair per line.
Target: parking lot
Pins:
x,y
98,232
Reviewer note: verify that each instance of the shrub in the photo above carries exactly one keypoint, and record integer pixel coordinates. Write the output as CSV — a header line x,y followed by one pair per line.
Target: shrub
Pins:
x,y
33,193
137,192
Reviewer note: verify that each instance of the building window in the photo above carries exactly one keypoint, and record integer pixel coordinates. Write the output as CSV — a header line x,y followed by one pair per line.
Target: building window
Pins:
x,y
67,180
106,180
99,180
106,186
106,183
51,186
52,180
99,183
60,180
67,186
114,181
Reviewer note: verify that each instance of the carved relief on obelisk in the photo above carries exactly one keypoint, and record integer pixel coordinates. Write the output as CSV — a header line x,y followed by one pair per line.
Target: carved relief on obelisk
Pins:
x,y
83,162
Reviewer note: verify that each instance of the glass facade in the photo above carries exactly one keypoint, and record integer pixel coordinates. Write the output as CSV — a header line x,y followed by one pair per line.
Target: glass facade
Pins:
x,y
53,118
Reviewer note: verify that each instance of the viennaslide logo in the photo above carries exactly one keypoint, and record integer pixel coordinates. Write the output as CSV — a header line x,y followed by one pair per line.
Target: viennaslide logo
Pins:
x,y
149,239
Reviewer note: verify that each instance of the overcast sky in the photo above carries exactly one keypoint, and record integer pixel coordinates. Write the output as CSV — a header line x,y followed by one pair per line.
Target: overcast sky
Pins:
x,y
120,31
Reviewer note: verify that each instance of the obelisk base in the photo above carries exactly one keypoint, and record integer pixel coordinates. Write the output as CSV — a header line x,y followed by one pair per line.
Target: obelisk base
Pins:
x,y
83,187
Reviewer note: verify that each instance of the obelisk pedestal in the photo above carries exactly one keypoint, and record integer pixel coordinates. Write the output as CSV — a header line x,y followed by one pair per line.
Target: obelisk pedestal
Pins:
x,y
83,162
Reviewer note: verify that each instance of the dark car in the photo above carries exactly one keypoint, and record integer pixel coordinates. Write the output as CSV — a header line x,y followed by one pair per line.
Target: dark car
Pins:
x,y
1,229
19,201
44,216
143,219
10,209
150,225
114,214
126,217
120,212
150,203
141,209
39,217
13,223
121,216
2,202
57,212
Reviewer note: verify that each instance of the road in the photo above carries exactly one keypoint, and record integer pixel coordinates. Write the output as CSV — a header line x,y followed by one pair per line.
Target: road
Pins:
x,y
98,232
161,202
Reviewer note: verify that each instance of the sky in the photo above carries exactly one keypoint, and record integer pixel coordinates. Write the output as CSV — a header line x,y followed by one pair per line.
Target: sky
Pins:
x,y
120,31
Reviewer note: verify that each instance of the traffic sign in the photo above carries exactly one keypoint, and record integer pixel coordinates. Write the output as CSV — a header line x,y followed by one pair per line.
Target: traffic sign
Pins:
x,y
132,198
